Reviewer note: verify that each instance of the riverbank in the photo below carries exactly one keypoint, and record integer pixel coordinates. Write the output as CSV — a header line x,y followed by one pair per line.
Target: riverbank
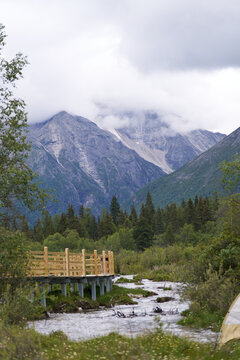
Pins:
x,y
20,343
57,303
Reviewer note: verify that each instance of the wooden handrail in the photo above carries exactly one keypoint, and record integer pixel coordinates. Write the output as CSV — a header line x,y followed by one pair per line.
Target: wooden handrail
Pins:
x,y
48,263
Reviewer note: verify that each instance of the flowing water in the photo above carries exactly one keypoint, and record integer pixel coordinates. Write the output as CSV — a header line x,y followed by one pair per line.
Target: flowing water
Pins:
x,y
139,319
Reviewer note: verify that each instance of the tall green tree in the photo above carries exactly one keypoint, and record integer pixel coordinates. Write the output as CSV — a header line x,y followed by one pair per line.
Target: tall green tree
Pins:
x,y
106,226
158,222
149,210
47,224
143,234
115,210
38,234
17,180
133,216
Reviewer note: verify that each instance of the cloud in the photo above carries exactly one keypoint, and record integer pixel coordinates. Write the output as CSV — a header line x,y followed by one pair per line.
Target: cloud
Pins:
x,y
178,58
182,34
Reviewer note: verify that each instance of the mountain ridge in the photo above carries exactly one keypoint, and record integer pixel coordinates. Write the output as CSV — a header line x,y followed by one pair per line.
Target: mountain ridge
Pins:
x,y
201,176
85,164
155,141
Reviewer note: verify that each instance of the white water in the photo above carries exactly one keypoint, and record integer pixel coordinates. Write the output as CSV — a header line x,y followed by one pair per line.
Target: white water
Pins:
x,y
86,325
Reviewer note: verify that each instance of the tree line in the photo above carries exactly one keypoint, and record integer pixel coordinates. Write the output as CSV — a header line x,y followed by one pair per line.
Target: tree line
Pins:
x,y
144,228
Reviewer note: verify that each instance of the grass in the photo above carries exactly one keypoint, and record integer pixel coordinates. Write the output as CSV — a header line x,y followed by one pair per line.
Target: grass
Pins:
x,y
168,272
164,299
201,319
123,280
17,343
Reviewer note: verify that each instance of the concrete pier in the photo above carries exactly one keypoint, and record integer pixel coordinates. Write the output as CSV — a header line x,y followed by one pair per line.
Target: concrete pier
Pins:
x,y
46,282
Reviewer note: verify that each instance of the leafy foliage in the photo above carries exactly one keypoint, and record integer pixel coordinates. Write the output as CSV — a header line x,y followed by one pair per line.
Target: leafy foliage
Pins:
x,y
17,180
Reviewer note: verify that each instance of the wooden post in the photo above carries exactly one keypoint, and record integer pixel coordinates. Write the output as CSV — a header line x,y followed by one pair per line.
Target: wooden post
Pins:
x,y
95,262
67,261
45,261
92,264
112,262
109,262
83,262
104,263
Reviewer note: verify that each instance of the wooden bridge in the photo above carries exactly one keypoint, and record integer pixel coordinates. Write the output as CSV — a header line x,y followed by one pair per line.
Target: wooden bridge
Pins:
x,y
76,269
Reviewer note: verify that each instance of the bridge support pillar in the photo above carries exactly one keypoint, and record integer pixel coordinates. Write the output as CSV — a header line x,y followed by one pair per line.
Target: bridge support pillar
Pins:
x,y
43,296
64,289
109,284
80,287
101,284
72,285
31,295
93,289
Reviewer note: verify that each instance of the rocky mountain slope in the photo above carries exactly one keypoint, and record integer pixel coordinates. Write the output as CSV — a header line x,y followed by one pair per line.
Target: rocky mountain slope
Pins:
x,y
154,141
85,164
201,176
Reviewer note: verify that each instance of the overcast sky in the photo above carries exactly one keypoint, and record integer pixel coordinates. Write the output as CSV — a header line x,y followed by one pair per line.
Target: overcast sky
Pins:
x,y
180,58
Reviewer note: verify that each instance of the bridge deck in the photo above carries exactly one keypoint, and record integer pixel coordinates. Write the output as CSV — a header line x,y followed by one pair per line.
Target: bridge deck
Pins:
x,y
76,269
47,263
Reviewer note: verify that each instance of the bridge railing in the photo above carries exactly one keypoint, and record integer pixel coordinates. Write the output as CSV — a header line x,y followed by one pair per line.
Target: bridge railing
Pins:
x,y
48,263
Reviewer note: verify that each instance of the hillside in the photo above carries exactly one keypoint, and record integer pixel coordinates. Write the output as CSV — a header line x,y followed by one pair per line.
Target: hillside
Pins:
x,y
201,176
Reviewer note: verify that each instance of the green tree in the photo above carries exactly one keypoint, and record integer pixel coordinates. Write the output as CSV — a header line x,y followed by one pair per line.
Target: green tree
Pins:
x,y
169,237
14,259
231,181
115,210
63,224
47,224
17,181
106,225
231,173
158,222
149,205
38,234
133,216
143,234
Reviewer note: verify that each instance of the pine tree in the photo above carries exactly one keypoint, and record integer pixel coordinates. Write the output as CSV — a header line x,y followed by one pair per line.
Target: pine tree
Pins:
x,y
143,234
133,216
38,234
106,226
72,218
93,228
47,224
159,227
149,209
25,227
81,211
122,217
63,224
190,213
169,237
115,210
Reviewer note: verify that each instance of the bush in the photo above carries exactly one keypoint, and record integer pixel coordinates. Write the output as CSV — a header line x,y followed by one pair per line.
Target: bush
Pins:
x,y
14,259
17,309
